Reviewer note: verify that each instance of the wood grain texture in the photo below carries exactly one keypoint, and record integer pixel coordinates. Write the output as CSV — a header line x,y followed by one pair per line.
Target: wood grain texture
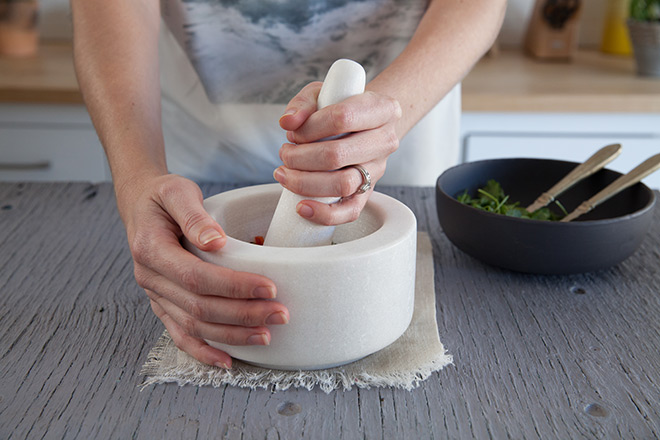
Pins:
x,y
534,356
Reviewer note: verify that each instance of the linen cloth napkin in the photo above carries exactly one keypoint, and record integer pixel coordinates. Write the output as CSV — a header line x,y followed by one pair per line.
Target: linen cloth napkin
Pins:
x,y
403,364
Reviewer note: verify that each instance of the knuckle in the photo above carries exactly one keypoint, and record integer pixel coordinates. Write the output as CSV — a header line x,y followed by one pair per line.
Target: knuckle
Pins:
x,y
326,217
231,284
342,118
232,338
195,308
179,343
391,141
349,213
232,290
285,155
192,219
397,112
348,183
189,325
171,184
353,214
335,155
296,185
190,279
141,246
158,311
166,188
245,317
142,278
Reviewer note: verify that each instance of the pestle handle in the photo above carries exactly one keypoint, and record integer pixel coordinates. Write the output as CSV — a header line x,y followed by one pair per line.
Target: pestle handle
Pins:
x,y
345,78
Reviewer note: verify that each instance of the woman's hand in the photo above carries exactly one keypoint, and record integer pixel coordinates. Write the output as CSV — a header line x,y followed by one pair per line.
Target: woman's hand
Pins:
x,y
316,166
195,300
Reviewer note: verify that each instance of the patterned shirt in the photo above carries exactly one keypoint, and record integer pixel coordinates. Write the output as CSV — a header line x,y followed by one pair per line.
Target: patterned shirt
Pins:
x,y
228,68
265,51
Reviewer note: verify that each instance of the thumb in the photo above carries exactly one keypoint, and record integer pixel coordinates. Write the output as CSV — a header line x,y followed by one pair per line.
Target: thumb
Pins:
x,y
301,107
183,202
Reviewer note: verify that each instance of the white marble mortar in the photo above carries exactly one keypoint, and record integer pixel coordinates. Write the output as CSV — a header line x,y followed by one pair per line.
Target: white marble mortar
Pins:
x,y
346,300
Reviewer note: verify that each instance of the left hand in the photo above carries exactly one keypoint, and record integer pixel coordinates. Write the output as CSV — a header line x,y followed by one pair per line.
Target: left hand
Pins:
x,y
316,166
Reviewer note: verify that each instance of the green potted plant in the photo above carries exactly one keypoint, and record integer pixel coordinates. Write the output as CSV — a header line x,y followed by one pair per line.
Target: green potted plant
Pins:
x,y
644,28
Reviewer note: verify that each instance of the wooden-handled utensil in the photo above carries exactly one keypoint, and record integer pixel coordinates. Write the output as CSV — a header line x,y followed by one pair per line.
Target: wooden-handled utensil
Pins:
x,y
642,170
597,161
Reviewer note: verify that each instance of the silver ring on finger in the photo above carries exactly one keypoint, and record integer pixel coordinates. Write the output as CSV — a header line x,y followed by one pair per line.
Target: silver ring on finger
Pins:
x,y
366,179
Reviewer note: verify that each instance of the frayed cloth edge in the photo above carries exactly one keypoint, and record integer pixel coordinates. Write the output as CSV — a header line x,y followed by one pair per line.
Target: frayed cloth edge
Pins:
x,y
245,376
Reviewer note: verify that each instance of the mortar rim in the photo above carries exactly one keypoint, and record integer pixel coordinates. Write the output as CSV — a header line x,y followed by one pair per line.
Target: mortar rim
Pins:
x,y
399,222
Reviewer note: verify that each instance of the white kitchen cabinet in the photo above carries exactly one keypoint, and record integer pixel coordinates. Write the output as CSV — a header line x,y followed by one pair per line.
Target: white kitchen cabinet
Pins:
x,y
572,137
46,143
58,142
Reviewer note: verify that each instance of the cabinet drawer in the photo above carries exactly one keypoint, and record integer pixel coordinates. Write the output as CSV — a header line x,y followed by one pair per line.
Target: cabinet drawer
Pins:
x,y
51,153
576,149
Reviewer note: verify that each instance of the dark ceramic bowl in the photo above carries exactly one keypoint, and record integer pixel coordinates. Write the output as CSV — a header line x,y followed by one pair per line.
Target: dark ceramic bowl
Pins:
x,y
599,239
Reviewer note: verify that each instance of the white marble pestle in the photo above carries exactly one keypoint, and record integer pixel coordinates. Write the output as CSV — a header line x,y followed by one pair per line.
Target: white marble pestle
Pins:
x,y
345,78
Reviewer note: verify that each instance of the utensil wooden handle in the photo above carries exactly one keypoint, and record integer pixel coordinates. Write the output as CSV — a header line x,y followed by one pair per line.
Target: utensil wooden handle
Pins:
x,y
650,165
597,161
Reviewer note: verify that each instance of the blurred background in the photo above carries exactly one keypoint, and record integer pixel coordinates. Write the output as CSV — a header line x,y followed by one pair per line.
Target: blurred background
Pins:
x,y
561,81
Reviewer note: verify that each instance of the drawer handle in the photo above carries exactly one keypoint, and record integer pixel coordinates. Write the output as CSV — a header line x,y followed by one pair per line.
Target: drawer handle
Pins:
x,y
26,166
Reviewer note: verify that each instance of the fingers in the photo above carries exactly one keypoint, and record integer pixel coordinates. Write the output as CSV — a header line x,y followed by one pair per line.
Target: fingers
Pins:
x,y
346,210
182,200
160,251
195,347
341,183
196,300
317,161
219,332
301,107
366,111
344,183
212,309
356,148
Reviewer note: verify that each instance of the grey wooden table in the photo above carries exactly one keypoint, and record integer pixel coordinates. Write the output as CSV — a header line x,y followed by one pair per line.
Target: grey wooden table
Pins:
x,y
535,356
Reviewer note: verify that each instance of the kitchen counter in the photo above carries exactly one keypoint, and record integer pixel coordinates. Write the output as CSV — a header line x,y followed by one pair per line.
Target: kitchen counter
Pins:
x,y
534,356
47,77
593,82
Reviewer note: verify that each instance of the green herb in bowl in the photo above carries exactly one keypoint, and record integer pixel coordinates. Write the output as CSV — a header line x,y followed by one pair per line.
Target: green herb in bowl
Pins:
x,y
492,198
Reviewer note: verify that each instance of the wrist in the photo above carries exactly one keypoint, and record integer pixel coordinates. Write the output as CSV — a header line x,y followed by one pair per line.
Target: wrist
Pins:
x,y
129,187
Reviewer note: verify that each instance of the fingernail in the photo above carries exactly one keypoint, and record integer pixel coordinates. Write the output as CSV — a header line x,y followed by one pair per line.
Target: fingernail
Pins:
x,y
305,210
279,175
277,318
264,292
289,112
222,365
208,236
258,339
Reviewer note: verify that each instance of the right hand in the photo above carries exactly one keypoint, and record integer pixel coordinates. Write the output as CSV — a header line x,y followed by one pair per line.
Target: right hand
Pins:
x,y
194,299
